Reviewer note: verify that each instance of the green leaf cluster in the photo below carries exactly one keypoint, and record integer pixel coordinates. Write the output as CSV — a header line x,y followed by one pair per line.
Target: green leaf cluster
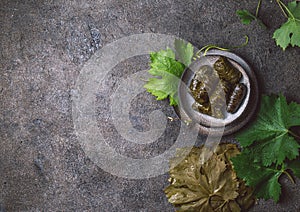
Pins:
x,y
167,70
270,148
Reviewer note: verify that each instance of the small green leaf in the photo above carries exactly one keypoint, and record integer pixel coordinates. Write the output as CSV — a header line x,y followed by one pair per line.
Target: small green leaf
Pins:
x,y
288,33
245,16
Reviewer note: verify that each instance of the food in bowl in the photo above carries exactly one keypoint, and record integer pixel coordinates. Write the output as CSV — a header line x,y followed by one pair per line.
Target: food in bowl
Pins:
x,y
217,89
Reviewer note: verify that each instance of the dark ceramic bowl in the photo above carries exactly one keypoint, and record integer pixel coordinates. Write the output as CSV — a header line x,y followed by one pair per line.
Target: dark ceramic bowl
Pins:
x,y
232,122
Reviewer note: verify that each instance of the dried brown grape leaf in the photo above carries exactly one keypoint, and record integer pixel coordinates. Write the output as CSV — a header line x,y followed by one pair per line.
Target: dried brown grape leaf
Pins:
x,y
207,185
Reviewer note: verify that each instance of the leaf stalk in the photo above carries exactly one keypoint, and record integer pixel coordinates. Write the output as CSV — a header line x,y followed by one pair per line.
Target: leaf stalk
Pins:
x,y
281,7
294,134
289,176
212,46
287,13
257,8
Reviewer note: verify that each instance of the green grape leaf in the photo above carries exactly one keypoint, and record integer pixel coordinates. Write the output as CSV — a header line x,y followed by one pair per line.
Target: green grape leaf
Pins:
x,y
245,16
270,133
263,179
289,32
169,71
184,51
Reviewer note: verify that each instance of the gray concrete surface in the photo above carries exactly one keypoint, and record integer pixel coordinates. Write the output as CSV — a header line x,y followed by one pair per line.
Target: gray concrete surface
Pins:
x,y
44,45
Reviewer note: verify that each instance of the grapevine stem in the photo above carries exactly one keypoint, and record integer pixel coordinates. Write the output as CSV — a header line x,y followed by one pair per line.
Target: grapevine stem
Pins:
x,y
257,8
294,134
144,79
281,7
285,9
243,44
289,176
211,46
288,10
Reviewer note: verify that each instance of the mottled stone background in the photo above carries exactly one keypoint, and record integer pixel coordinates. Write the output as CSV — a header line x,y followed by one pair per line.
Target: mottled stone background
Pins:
x,y
44,45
